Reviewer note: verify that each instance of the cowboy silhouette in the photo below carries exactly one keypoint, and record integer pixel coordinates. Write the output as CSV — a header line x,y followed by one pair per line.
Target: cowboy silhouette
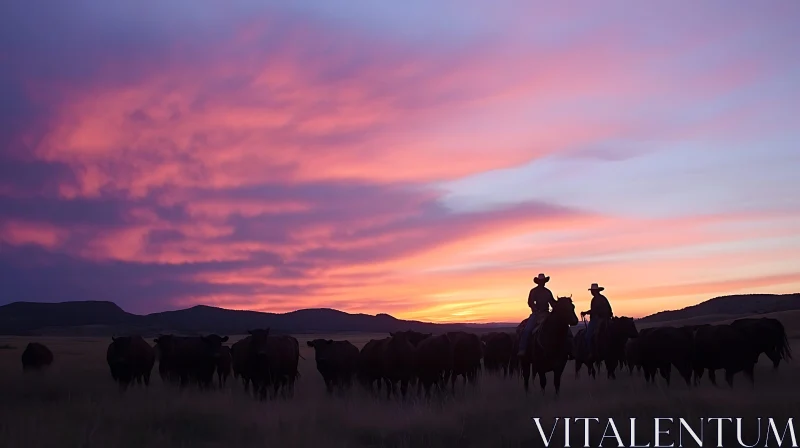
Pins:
x,y
540,299
599,309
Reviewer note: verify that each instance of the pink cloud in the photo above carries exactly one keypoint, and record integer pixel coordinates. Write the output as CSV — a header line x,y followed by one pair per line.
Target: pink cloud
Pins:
x,y
21,233
292,163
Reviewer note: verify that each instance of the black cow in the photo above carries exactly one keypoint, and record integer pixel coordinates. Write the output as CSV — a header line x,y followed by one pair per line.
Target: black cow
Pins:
x,y
337,362
768,336
433,360
724,347
497,351
130,359
272,362
190,359
36,357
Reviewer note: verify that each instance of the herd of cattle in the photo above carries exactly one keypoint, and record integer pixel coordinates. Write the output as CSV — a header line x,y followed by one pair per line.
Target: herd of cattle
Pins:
x,y
268,363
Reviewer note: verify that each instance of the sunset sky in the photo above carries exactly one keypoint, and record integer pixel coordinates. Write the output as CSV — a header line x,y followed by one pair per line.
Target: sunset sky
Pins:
x,y
424,158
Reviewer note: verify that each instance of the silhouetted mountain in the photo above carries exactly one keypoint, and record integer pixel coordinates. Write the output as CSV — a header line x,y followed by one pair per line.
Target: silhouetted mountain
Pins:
x,y
318,320
27,318
91,317
22,317
735,305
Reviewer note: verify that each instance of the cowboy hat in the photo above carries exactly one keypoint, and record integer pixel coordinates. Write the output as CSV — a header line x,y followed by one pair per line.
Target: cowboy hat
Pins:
x,y
541,278
596,288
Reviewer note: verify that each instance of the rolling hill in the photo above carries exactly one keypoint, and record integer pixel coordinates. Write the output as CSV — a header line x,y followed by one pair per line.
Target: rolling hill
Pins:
x,y
90,317
725,307
105,318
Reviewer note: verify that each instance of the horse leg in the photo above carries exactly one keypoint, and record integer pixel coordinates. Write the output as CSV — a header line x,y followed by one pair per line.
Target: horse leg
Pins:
x,y
577,369
526,373
557,372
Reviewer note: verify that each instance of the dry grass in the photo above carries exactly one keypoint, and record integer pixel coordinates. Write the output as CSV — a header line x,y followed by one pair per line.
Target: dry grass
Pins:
x,y
75,404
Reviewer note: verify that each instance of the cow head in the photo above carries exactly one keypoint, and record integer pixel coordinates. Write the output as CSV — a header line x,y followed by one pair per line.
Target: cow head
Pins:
x,y
164,345
322,348
413,337
319,343
212,344
122,347
625,327
258,341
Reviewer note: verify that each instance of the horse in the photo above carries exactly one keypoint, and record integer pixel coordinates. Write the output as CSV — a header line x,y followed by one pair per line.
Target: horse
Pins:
x,y
549,347
610,338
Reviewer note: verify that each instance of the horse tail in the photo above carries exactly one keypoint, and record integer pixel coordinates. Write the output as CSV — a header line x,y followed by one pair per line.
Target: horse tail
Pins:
x,y
784,349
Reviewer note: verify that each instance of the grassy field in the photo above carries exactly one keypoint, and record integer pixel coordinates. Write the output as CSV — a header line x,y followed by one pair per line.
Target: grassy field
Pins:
x,y
76,404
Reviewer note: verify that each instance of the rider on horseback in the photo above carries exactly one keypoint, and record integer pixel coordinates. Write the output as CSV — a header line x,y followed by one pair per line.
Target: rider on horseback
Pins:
x,y
600,309
539,300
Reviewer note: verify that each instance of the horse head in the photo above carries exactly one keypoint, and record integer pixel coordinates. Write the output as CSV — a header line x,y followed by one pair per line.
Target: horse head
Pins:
x,y
565,310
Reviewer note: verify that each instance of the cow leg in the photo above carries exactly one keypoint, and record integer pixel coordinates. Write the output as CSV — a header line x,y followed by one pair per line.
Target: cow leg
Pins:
x,y
712,376
729,377
749,372
610,370
773,356
665,370
698,375
389,388
577,369
649,374
542,380
404,387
